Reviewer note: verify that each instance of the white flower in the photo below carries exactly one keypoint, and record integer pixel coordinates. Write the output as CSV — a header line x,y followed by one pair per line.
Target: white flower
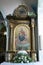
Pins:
x,y
19,58
27,61
21,61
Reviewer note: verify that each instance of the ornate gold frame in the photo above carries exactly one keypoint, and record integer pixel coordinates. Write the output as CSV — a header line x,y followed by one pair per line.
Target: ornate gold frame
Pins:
x,y
14,27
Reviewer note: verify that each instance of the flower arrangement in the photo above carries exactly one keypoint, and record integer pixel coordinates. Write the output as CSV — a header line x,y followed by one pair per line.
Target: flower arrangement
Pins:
x,y
21,57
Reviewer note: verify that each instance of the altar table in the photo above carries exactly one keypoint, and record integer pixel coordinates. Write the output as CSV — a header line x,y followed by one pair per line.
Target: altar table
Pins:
x,y
32,63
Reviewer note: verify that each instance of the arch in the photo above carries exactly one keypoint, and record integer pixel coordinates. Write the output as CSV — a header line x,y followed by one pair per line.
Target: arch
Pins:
x,y
6,25
7,35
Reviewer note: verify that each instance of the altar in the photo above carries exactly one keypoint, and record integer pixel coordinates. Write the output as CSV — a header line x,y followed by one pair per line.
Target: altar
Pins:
x,y
22,35
33,63
22,32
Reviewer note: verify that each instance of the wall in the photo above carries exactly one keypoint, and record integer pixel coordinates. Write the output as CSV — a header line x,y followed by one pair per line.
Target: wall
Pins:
x,y
40,20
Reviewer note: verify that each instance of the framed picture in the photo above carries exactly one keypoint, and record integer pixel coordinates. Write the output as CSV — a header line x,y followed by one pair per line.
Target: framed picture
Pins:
x,y
21,37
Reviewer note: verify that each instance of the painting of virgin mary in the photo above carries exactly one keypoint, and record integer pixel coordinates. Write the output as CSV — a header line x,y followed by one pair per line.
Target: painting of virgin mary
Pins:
x,y
22,38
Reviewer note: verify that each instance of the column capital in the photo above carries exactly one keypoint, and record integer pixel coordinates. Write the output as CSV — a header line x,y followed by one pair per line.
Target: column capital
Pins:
x,y
32,22
11,25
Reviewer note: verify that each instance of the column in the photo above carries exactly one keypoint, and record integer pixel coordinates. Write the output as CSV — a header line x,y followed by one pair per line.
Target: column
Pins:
x,y
33,35
33,39
11,40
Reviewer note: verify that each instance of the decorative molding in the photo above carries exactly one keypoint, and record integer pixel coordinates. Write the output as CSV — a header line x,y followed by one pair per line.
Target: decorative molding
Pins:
x,y
21,11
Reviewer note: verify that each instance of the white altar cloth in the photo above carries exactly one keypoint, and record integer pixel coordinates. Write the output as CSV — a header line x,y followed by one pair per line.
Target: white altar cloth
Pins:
x,y
33,63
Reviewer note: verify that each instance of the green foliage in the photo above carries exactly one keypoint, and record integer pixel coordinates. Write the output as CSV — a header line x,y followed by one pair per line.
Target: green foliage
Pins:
x,y
31,14
21,58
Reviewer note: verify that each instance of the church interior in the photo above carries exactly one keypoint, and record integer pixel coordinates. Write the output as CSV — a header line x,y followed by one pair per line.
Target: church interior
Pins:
x,y
19,31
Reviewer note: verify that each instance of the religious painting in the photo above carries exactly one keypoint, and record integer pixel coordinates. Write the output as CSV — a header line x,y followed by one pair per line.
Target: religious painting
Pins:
x,y
22,37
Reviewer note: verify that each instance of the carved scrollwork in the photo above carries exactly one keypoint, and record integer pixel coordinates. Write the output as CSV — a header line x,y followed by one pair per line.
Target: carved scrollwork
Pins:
x,y
21,11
